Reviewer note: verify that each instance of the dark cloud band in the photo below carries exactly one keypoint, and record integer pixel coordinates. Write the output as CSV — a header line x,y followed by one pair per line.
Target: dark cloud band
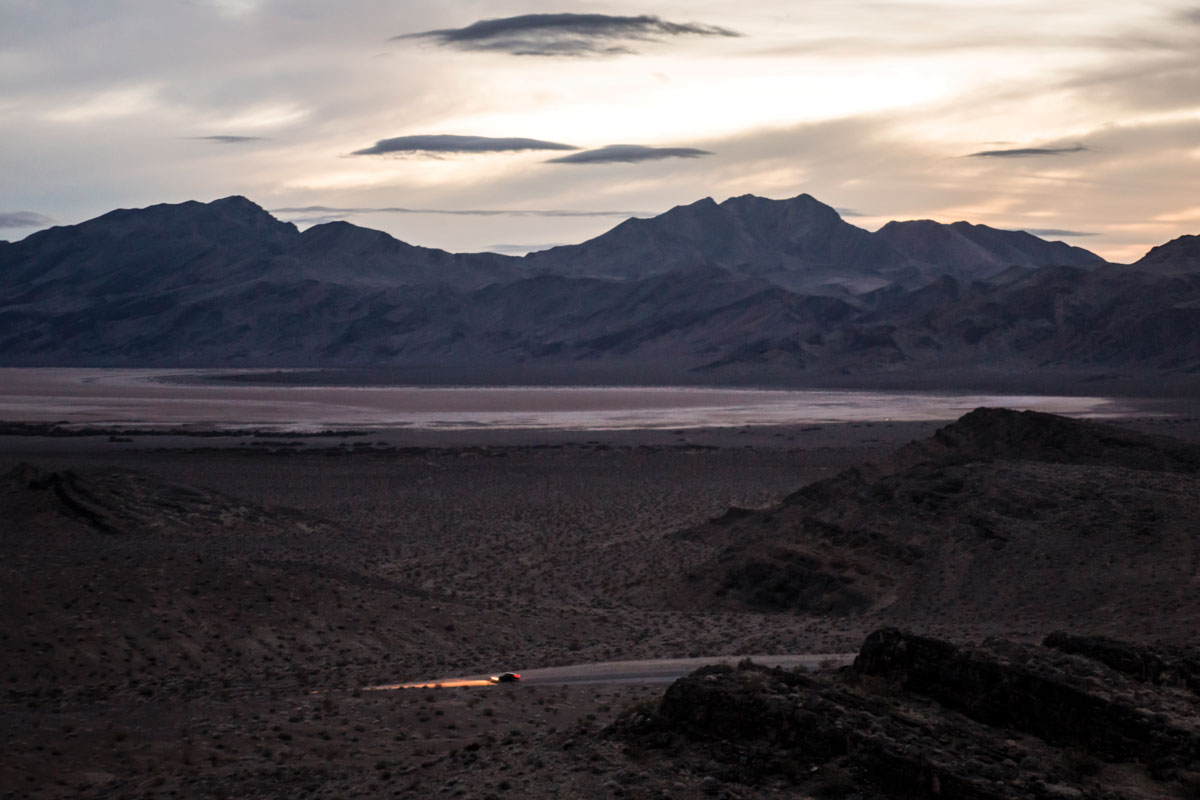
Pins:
x,y
628,154
444,143
1021,152
24,219
564,34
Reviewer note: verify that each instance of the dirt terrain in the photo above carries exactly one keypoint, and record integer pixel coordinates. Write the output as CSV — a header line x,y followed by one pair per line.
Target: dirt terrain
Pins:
x,y
1011,517
199,618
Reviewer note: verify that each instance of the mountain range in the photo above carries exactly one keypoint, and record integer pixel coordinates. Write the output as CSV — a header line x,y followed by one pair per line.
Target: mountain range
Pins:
x,y
747,290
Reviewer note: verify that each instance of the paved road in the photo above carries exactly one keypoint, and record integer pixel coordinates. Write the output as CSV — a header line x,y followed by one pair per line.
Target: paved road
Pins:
x,y
663,670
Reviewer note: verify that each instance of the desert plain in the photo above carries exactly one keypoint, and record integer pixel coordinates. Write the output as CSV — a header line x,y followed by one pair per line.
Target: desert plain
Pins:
x,y
199,616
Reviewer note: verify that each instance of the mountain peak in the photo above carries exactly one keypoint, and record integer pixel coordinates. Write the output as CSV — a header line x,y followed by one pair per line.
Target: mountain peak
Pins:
x,y
173,230
793,219
342,235
236,202
753,203
913,225
1181,253
704,204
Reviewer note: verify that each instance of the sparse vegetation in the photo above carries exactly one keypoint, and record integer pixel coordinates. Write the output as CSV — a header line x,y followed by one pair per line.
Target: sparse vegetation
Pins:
x,y
209,641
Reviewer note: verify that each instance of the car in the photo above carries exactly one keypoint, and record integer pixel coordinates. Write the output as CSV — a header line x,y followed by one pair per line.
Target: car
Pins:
x,y
505,677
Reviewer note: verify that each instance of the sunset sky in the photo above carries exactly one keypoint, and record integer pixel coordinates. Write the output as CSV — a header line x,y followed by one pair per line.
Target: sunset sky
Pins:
x,y
478,126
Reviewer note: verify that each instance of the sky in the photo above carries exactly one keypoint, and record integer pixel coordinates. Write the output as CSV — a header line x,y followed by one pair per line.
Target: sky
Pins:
x,y
513,126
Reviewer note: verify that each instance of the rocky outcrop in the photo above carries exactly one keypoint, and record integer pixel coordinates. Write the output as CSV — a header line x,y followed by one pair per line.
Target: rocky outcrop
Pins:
x,y
918,717
1161,665
1000,433
1062,700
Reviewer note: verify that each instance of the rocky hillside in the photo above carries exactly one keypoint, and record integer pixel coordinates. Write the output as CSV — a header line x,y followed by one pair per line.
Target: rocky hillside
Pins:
x,y
999,516
121,588
921,718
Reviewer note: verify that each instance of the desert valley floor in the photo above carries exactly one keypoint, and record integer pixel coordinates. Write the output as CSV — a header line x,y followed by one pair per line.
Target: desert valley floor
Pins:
x,y
191,617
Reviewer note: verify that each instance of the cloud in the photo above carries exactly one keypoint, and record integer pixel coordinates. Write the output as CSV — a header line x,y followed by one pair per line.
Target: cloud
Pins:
x,y
1021,152
112,104
564,34
328,213
24,219
1128,87
444,143
227,139
628,154
1057,232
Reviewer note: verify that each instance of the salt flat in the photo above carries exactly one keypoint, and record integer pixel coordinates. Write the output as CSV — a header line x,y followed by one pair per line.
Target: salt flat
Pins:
x,y
138,397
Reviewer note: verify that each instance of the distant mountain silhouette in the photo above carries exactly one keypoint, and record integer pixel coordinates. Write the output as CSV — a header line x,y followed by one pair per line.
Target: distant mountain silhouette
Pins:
x,y
796,243
969,251
801,243
748,290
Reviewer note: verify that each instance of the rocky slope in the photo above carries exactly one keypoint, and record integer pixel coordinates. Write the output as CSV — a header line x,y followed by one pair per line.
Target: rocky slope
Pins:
x,y
917,717
120,588
1000,516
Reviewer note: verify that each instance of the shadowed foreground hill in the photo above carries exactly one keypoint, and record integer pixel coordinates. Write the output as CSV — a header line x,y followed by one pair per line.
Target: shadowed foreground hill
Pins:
x,y
921,718
998,517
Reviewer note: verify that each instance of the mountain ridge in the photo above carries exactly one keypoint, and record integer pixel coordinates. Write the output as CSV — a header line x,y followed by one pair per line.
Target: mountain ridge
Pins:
x,y
747,290
802,243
